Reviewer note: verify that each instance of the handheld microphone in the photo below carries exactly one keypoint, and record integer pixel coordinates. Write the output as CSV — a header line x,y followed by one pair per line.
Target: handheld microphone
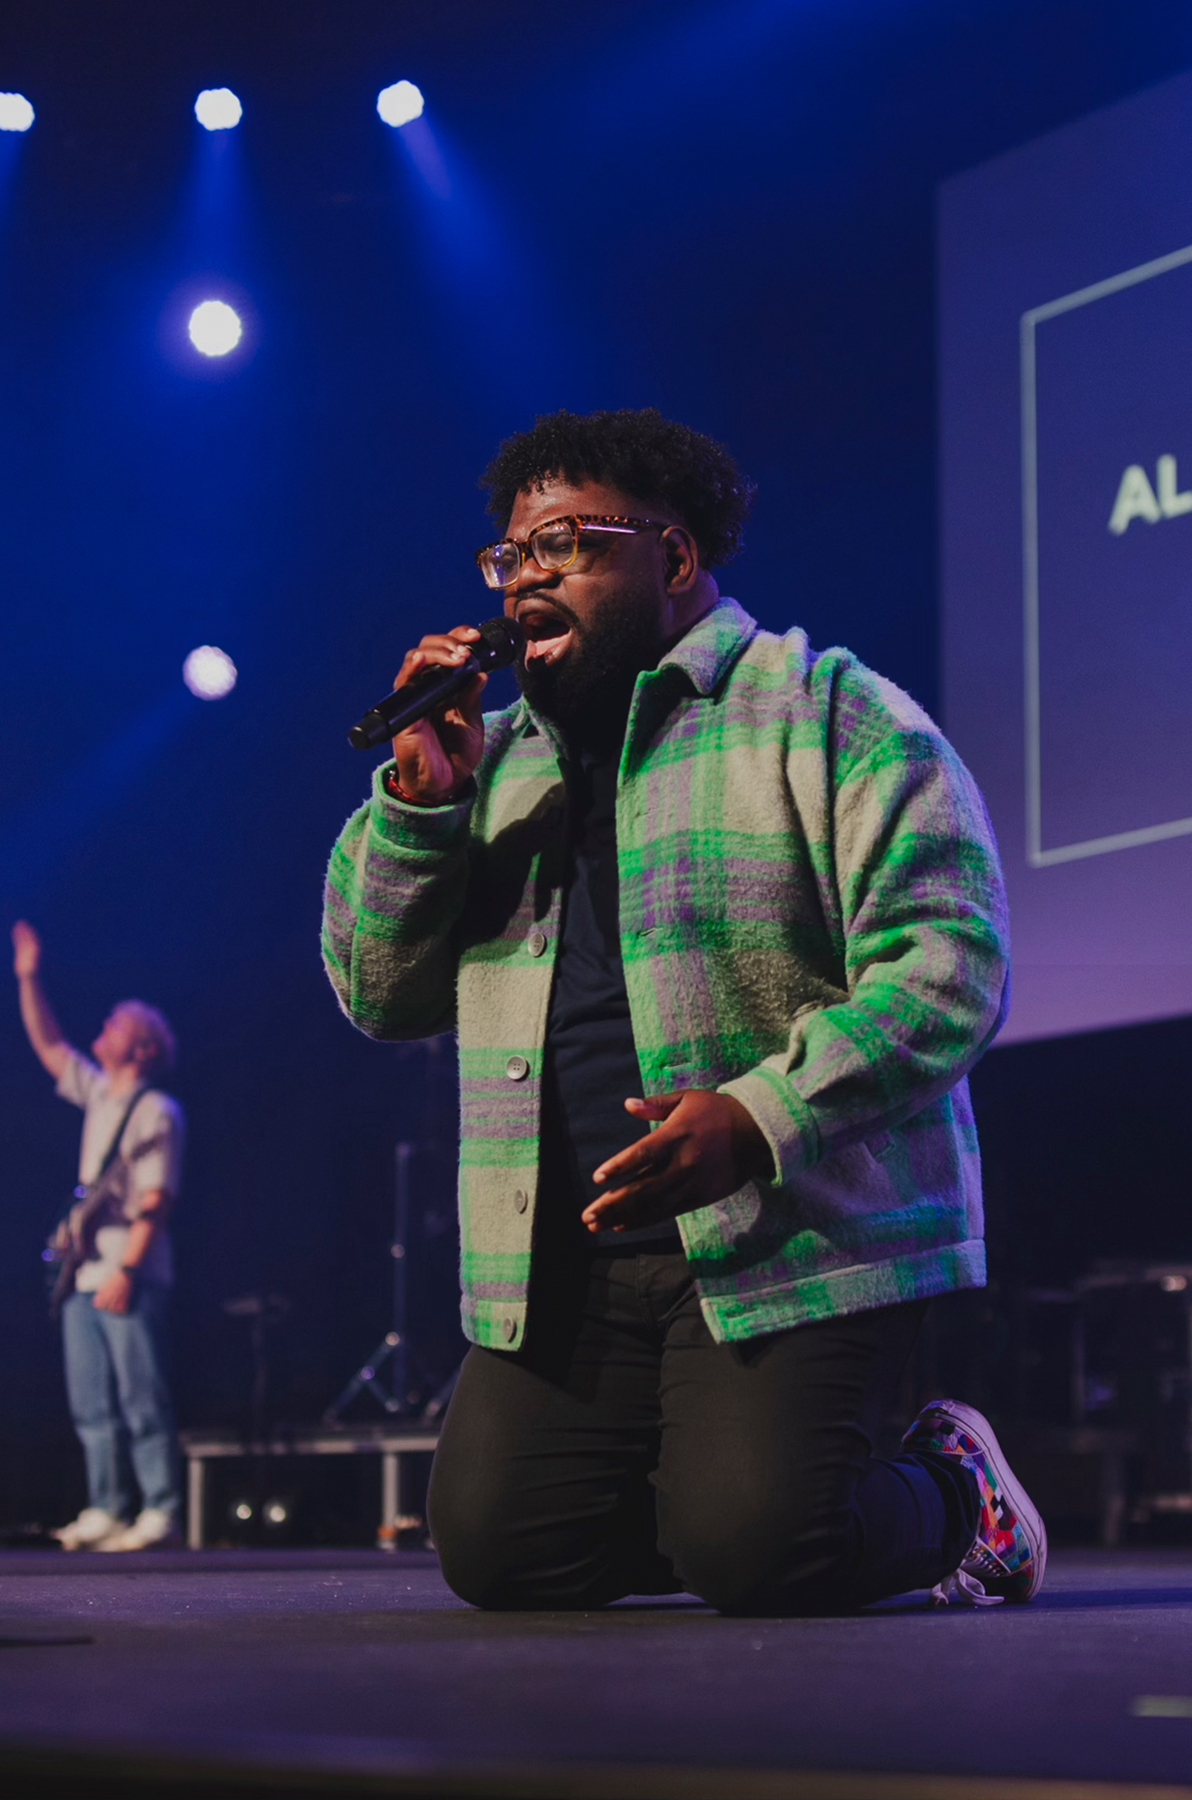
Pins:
x,y
500,641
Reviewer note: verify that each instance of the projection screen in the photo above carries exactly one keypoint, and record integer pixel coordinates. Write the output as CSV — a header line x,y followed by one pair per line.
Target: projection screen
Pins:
x,y
1066,457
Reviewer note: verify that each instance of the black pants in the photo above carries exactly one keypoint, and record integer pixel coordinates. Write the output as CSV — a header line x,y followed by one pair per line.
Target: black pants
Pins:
x,y
623,1451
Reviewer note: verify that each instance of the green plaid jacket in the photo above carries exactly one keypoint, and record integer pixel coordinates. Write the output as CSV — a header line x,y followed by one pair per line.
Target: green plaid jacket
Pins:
x,y
812,919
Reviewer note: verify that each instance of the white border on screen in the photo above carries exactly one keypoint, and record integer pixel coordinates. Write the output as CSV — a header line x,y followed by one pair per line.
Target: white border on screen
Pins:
x,y
1036,856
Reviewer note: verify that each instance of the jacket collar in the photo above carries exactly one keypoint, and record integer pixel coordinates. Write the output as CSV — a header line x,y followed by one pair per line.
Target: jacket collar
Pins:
x,y
712,646
705,655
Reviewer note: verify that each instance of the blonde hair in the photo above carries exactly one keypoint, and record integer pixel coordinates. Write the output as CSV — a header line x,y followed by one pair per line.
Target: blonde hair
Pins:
x,y
154,1029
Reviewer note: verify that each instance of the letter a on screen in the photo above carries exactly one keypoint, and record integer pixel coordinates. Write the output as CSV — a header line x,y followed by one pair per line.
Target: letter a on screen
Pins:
x,y
1135,500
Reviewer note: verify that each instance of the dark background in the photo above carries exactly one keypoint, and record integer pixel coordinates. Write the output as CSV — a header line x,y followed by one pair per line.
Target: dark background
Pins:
x,y
726,211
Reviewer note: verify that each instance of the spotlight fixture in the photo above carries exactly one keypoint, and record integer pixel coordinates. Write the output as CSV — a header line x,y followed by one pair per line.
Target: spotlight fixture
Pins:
x,y
209,673
400,103
218,109
215,328
16,114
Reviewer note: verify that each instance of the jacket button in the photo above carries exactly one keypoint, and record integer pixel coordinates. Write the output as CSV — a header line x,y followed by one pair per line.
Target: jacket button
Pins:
x,y
510,1330
521,1199
517,1068
536,943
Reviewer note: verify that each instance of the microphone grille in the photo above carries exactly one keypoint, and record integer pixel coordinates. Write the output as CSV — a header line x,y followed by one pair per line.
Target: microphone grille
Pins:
x,y
503,638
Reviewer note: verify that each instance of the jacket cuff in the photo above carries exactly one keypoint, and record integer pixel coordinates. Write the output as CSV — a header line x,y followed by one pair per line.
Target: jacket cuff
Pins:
x,y
409,827
783,1118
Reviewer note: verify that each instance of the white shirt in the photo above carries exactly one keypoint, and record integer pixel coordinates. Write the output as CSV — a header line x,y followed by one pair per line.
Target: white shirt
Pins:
x,y
158,1117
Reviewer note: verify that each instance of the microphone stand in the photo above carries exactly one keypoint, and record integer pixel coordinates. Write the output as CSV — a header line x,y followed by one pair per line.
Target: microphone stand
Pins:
x,y
393,1351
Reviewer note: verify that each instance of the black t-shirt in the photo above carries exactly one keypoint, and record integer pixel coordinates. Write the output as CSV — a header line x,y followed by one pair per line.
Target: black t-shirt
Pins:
x,y
591,1061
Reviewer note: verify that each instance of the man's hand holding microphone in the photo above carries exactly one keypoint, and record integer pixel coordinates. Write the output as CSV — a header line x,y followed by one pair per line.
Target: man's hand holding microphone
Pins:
x,y
433,714
437,755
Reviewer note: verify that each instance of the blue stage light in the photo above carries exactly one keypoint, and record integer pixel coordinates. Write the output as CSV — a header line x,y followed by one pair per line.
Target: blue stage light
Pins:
x,y
16,114
400,103
217,109
209,673
215,328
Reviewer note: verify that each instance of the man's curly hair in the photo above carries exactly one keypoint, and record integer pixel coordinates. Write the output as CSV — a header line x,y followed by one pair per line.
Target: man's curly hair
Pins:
x,y
646,457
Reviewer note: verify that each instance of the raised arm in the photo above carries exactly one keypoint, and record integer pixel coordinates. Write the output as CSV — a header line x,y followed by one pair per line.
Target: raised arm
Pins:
x,y
41,1027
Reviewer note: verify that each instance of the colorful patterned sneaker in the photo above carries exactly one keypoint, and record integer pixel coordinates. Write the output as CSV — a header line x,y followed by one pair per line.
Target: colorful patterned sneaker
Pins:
x,y
1009,1553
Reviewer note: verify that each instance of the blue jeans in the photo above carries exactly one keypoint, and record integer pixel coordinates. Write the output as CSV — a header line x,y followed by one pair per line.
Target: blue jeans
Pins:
x,y
119,1401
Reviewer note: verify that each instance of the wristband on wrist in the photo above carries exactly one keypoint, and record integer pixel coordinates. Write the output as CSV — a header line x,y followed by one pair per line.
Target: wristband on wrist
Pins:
x,y
132,1271
396,791
394,788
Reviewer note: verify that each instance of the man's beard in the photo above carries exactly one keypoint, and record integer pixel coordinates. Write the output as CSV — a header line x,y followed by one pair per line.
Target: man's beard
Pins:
x,y
587,693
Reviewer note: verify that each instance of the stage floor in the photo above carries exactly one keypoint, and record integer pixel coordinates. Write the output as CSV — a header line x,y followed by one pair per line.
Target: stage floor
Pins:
x,y
338,1672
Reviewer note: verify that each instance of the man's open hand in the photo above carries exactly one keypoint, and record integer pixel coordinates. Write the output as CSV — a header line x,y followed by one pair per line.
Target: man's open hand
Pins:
x,y
707,1147
26,946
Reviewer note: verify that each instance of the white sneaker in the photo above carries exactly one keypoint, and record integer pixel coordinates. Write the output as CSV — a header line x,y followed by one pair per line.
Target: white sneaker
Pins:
x,y
89,1530
152,1529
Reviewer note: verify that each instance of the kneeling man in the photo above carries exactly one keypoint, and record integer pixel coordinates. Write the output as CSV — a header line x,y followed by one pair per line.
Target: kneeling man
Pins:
x,y
720,923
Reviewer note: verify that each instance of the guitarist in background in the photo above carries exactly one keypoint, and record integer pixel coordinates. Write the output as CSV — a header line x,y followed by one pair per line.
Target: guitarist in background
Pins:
x,y
116,1243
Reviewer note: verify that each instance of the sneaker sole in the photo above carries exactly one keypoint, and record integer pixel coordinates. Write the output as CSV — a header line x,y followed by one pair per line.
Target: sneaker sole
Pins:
x,y
1029,1517
113,1546
132,1549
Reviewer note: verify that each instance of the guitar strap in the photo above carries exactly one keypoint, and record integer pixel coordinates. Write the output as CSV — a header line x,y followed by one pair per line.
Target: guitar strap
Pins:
x,y
91,1196
113,1149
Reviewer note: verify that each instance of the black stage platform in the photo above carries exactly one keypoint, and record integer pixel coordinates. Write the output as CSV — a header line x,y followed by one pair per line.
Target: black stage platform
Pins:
x,y
345,1672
